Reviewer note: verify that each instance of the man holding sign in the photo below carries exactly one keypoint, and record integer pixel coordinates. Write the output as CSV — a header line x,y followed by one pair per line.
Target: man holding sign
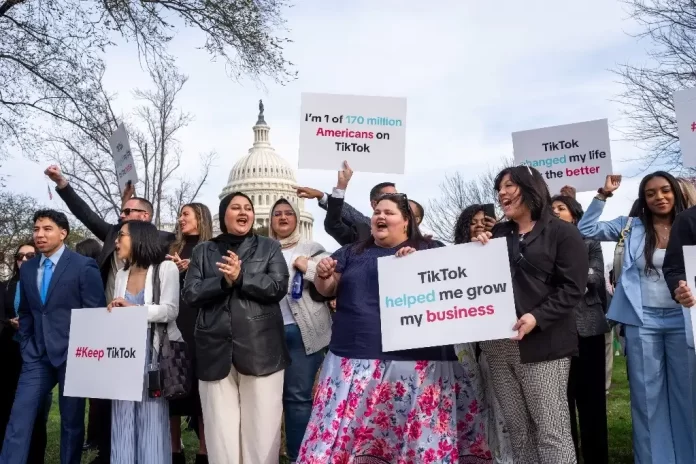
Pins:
x,y
51,286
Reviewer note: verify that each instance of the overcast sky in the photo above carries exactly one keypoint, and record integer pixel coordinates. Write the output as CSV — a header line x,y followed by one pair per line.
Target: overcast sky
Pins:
x,y
473,73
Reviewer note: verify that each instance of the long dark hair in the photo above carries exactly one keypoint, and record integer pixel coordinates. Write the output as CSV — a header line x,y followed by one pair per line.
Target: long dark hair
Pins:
x,y
15,267
204,230
573,206
415,238
146,246
89,247
533,188
462,228
646,216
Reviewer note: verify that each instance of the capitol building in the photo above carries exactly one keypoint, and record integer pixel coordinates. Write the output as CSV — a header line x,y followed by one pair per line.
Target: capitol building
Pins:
x,y
265,177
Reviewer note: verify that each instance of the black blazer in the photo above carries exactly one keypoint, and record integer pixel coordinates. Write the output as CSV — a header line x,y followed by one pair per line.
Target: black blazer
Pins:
x,y
7,311
101,229
242,325
343,233
590,313
556,249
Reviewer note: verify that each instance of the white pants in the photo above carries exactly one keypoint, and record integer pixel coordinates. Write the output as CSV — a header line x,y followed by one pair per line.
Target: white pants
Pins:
x,y
242,416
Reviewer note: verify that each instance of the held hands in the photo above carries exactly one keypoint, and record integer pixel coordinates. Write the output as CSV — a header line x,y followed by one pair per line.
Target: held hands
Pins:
x,y
301,263
612,183
524,325
326,268
53,173
118,303
404,251
181,264
14,323
308,192
684,296
344,176
230,267
482,238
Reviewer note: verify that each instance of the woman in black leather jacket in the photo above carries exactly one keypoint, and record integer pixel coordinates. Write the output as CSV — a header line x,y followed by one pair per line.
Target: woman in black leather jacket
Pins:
x,y
587,381
237,280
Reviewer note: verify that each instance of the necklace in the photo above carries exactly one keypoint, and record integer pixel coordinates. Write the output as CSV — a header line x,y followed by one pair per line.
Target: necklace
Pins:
x,y
661,237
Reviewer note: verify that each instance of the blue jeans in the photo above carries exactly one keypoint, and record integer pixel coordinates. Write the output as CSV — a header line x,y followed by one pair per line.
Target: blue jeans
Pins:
x,y
660,385
297,389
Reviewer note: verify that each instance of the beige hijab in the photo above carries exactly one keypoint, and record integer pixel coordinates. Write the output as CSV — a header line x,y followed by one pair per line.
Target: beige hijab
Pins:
x,y
292,239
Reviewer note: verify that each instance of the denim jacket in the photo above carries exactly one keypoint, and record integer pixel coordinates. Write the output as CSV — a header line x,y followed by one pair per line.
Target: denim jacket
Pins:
x,y
627,303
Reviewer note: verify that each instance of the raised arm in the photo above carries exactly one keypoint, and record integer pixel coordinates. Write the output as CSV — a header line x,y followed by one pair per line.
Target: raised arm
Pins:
x,y
77,206
590,226
270,286
343,233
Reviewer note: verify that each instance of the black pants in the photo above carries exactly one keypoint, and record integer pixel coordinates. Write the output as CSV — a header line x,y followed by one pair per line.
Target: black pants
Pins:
x,y
9,376
99,429
586,392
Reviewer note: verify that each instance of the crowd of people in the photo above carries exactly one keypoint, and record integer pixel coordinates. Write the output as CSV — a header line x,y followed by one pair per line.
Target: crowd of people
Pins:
x,y
281,333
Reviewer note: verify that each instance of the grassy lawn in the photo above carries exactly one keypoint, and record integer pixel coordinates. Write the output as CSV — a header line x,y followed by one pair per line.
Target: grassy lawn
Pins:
x,y
620,448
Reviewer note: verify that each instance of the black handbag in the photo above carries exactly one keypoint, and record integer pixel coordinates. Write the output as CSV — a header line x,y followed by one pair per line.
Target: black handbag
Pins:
x,y
174,358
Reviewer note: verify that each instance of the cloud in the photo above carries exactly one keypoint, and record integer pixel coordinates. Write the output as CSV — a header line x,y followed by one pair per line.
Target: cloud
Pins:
x,y
473,72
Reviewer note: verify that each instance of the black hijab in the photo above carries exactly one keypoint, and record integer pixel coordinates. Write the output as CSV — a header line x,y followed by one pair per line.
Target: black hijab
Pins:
x,y
226,241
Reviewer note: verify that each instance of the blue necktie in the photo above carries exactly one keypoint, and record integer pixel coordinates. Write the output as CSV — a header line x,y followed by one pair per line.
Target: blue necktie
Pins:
x,y
46,279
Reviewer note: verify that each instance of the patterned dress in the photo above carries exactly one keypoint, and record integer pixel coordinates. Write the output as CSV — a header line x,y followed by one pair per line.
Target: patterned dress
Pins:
x,y
140,431
402,411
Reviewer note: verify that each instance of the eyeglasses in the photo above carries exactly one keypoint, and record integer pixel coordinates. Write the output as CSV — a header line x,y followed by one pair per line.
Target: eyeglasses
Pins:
x,y
127,211
283,213
21,256
122,234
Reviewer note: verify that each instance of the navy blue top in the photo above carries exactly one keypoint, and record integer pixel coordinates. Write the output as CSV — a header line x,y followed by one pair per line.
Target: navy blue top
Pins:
x,y
356,326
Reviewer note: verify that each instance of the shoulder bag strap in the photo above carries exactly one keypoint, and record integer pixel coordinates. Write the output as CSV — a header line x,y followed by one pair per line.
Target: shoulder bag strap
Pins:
x,y
520,262
619,250
156,292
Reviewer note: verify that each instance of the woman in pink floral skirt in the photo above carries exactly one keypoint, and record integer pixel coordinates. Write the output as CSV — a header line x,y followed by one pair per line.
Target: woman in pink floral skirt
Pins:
x,y
407,407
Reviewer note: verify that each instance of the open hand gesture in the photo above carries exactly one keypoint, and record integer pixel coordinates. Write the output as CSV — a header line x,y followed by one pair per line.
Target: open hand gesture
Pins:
x,y
181,264
230,267
344,176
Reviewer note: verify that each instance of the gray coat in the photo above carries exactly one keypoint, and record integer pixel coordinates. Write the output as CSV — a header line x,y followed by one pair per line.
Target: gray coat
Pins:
x,y
313,318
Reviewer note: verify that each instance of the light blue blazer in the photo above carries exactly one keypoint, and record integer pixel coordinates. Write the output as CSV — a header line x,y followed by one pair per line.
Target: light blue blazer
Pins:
x,y
627,303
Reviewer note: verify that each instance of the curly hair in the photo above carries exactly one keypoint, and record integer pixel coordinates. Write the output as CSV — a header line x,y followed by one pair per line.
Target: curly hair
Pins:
x,y
462,228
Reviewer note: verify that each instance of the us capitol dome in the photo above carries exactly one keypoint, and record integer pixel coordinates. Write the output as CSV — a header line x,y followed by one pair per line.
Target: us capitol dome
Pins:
x,y
265,177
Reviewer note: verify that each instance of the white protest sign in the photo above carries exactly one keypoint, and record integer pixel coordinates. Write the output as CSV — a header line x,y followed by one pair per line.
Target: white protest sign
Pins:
x,y
690,270
123,158
106,353
368,132
573,154
685,107
444,296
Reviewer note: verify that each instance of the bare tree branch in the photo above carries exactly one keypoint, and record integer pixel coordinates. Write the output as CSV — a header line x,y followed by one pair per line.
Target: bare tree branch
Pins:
x,y
647,100
457,193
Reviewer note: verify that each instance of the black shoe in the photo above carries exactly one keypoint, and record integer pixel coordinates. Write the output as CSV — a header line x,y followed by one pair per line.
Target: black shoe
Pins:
x,y
178,458
201,459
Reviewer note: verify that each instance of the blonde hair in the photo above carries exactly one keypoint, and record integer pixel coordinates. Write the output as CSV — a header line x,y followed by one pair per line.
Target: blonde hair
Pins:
x,y
204,222
688,191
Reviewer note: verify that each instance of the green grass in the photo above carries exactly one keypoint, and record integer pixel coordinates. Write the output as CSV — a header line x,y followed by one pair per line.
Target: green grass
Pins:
x,y
618,409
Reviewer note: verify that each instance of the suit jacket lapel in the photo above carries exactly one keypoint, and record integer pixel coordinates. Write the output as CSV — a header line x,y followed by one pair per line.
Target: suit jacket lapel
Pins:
x,y
60,268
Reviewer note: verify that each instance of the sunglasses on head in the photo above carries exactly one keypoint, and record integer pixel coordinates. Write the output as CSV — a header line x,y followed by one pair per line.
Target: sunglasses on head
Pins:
x,y
127,211
393,197
21,256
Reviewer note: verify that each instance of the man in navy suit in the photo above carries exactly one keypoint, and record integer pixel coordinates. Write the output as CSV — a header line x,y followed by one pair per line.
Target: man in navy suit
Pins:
x,y
52,284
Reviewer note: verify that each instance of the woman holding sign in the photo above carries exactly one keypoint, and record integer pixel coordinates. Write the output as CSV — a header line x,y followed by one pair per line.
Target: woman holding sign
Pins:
x,y
656,333
140,430
401,406
549,265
